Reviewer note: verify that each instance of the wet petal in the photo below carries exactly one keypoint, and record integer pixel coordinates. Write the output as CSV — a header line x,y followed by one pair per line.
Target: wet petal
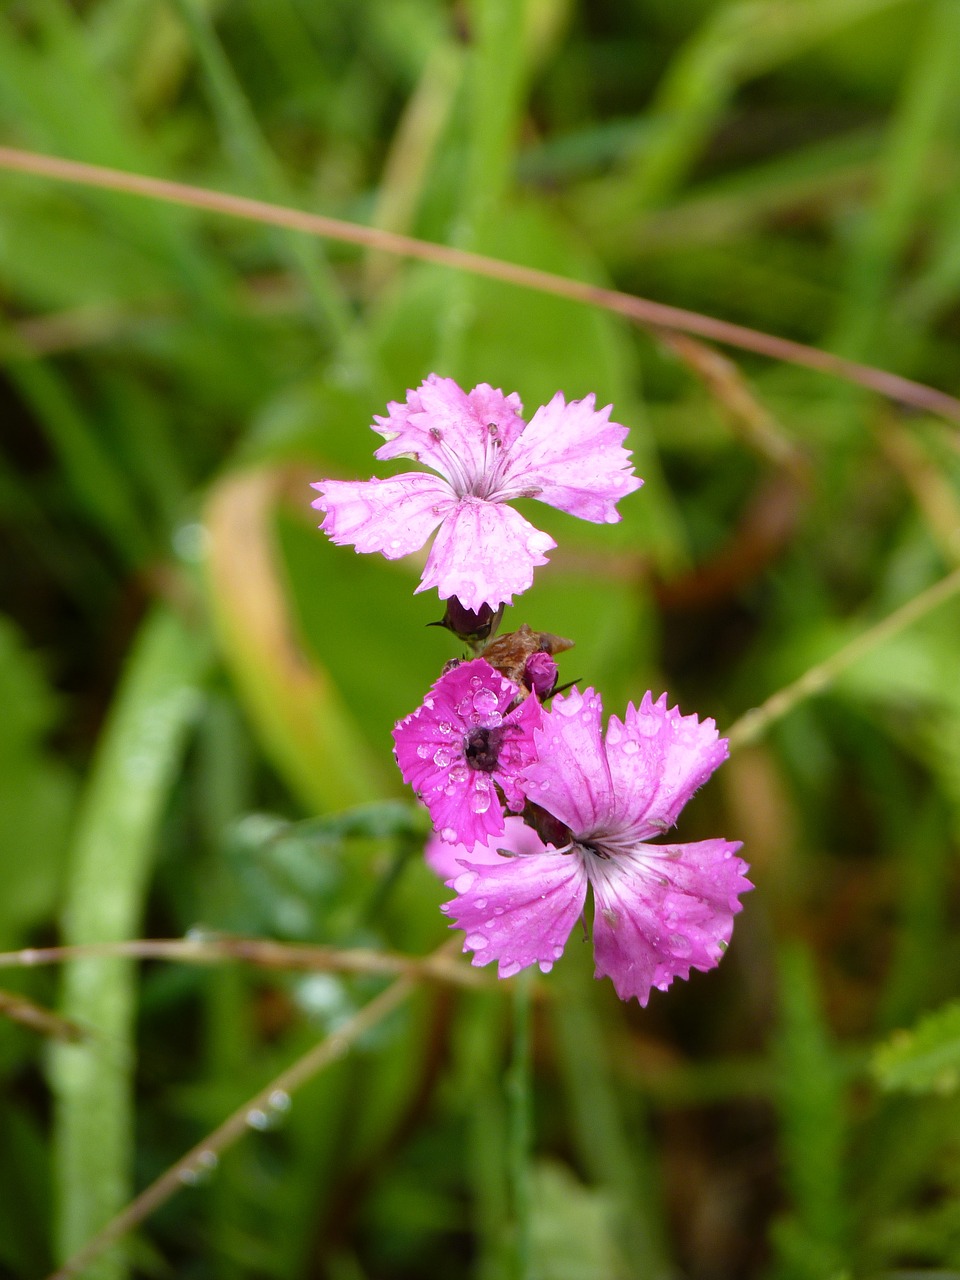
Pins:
x,y
571,457
662,911
658,758
448,429
519,912
570,778
394,517
445,859
484,553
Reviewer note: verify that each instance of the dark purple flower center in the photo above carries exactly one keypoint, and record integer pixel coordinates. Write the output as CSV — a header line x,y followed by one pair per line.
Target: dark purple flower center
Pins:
x,y
482,749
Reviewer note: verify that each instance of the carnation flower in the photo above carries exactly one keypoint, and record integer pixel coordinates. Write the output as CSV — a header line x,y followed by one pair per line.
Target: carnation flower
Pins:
x,y
463,741
660,909
569,456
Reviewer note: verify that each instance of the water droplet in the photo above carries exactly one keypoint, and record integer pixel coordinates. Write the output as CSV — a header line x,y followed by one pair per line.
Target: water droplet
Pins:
x,y
394,543
679,945
558,951
443,757
450,836
465,882
480,800
459,773
257,1119
485,701
509,967
423,750
475,941
279,1102
480,903
444,727
545,965
630,747
450,791
476,682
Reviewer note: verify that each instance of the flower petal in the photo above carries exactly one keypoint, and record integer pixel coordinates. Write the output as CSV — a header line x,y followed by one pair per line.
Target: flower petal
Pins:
x,y
445,859
570,778
394,517
519,912
662,910
449,429
571,457
484,553
658,758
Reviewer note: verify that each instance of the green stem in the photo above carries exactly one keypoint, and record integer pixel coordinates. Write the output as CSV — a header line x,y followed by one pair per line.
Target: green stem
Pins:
x,y
519,1090
107,880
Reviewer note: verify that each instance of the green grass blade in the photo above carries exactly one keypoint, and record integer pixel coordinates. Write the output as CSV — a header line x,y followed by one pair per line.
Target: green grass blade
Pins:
x,y
107,879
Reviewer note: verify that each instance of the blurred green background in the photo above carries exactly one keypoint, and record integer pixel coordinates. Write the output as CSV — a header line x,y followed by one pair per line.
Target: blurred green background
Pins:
x,y
189,670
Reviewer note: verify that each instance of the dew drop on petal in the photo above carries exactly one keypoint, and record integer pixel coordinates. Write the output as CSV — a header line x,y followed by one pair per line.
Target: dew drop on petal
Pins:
x,y
509,967
423,750
464,882
459,773
443,757
480,801
630,747
485,701
475,941
476,682
679,945
257,1119
480,903
444,726
450,791
545,965
450,836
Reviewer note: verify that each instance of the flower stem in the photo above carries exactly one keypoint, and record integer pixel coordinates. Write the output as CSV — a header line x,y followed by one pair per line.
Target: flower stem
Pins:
x,y
519,1090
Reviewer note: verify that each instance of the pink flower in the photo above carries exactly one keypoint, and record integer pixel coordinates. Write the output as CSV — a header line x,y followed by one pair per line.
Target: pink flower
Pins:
x,y
569,456
462,741
660,909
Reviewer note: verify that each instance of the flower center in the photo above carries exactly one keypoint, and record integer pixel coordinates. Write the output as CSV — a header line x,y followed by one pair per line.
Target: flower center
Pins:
x,y
482,749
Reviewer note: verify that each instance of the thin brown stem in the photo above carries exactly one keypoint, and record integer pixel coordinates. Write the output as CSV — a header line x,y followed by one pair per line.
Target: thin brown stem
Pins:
x,y
264,953
754,723
654,315
257,1113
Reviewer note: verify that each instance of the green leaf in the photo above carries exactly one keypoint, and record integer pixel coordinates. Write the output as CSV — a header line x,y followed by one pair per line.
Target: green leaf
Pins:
x,y
925,1059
